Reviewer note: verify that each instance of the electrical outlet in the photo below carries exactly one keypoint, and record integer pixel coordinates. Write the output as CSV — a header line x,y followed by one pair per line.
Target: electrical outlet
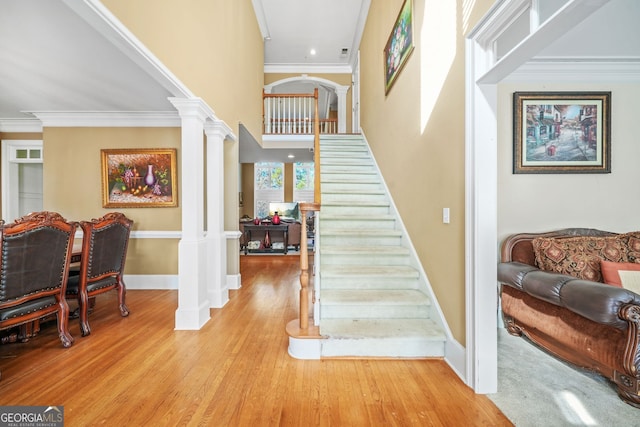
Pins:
x,y
445,215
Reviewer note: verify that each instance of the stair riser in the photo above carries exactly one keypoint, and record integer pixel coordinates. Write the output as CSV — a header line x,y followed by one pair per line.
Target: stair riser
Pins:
x,y
389,347
349,178
365,283
347,186
356,224
355,210
353,197
344,160
373,312
337,151
364,259
346,240
357,168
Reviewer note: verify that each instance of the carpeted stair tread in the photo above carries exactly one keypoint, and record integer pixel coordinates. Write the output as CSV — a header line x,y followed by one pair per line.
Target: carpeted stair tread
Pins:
x,y
362,232
357,203
373,271
359,218
374,297
364,191
362,178
381,328
365,250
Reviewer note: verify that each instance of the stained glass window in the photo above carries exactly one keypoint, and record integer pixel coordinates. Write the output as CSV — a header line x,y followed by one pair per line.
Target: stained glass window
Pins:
x,y
303,182
269,186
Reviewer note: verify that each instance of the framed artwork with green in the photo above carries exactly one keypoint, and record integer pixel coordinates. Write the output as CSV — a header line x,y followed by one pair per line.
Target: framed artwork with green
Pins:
x,y
399,45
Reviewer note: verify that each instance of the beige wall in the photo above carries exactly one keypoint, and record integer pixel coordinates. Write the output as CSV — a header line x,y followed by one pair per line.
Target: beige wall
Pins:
x,y
341,79
215,48
542,202
417,135
73,187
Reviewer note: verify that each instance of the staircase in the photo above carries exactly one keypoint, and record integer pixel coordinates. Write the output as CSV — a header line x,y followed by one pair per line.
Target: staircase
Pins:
x,y
373,299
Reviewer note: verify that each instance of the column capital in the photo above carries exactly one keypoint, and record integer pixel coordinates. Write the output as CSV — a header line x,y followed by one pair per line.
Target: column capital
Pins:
x,y
192,108
218,129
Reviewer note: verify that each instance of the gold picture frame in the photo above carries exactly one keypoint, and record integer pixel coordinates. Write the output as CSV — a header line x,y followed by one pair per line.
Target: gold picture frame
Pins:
x,y
561,132
399,45
139,178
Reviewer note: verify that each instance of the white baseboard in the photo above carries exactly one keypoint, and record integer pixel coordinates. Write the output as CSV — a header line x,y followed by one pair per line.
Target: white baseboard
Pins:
x,y
456,358
151,281
234,281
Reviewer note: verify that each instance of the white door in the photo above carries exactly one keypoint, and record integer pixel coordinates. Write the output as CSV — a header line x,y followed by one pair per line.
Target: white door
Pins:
x,y
21,178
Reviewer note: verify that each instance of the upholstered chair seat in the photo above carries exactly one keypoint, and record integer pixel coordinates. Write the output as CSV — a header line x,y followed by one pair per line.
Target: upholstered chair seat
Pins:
x,y
104,251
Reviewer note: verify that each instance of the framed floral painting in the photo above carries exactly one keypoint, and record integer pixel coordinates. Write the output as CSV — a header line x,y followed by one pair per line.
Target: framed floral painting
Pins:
x,y
139,178
399,46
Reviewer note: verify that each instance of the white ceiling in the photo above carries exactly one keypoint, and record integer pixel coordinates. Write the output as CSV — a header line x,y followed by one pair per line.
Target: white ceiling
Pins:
x,y
51,59
291,28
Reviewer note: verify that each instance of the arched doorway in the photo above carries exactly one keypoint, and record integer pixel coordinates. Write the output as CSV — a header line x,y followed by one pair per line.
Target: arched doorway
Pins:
x,y
332,97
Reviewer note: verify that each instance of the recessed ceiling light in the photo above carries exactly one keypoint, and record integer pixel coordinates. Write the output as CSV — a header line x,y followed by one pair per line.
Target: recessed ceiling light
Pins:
x,y
312,51
291,156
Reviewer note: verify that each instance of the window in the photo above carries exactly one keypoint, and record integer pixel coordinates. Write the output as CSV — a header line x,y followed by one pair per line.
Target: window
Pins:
x,y
268,186
22,181
303,182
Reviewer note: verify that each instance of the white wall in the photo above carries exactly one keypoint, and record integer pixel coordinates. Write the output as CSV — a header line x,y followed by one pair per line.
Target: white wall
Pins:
x,y
544,202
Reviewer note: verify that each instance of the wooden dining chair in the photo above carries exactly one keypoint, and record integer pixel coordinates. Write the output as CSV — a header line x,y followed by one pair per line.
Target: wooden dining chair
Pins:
x,y
35,251
104,251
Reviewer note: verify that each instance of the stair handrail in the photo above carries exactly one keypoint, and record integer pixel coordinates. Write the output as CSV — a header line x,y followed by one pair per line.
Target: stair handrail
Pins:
x,y
304,209
301,327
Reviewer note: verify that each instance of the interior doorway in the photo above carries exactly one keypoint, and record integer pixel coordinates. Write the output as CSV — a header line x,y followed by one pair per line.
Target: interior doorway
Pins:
x,y
21,178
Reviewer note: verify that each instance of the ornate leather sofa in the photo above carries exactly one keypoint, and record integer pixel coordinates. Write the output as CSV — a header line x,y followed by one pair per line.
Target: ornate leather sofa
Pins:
x,y
586,322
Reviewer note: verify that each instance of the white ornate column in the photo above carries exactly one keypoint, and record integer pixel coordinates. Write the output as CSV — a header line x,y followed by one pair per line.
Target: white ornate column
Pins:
x,y
341,91
217,288
193,303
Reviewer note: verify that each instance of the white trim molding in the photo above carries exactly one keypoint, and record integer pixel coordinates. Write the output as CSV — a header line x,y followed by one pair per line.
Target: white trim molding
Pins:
x,y
20,125
307,68
619,70
108,118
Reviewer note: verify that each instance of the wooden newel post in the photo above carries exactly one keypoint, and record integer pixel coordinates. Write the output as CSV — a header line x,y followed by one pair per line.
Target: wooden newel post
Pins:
x,y
304,274
304,265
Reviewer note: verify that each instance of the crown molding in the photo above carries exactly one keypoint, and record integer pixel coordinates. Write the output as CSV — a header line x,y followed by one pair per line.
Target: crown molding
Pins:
x,y
620,70
261,18
308,68
108,118
20,125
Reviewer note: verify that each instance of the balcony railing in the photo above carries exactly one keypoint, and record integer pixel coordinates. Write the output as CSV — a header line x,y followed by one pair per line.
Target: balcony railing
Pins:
x,y
294,114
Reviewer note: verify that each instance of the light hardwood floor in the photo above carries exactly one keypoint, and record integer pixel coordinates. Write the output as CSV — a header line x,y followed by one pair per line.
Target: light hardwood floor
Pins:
x,y
235,371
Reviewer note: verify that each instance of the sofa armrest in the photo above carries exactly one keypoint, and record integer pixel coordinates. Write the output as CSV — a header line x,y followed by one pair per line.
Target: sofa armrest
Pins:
x,y
595,301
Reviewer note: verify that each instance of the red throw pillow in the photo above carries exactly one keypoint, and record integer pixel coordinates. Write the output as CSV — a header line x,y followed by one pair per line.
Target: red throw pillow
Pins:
x,y
610,271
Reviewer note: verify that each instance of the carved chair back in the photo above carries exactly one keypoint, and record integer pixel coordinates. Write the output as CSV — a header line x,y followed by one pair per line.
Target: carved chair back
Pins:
x,y
35,252
104,251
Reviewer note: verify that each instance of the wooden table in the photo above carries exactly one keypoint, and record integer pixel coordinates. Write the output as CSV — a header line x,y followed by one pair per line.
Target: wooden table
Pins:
x,y
284,228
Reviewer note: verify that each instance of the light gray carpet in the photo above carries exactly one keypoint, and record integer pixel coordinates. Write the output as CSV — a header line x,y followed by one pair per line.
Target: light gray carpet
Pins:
x,y
535,389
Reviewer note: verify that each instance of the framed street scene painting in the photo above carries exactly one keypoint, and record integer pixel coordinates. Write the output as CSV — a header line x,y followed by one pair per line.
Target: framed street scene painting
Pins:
x,y
561,132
